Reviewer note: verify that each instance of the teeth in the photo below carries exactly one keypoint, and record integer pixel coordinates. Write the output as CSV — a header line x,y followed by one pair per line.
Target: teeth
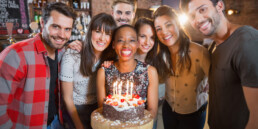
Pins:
x,y
203,26
166,38
146,47
126,52
101,44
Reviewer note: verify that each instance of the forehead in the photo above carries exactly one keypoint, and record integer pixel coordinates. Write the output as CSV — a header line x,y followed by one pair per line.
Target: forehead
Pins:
x,y
123,7
146,27
194,5
126,32
162,20
60,19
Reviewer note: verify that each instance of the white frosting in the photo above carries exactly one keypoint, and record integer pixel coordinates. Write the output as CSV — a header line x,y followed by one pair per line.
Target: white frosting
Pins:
x,y
128,102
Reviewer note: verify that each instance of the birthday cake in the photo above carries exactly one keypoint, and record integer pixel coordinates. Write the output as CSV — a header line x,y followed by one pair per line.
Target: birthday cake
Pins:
x,y
123,107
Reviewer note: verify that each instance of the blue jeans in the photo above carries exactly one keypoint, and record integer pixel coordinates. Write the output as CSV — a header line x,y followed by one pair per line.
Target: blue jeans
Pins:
x,y
173,120
55,124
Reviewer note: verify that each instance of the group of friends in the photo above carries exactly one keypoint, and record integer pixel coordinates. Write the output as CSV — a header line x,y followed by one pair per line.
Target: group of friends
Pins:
x,y
47,83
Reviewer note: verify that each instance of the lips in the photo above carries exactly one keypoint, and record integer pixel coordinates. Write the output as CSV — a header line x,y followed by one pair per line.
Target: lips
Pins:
x,y
145,47
59,40
126,52
101,44
204,26
167,37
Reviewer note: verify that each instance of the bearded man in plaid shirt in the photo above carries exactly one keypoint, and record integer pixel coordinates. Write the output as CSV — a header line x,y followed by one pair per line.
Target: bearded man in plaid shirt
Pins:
x,y
29,89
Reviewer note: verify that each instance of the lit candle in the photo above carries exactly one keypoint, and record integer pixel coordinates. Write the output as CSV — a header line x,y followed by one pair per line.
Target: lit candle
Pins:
x,y
114,88
120,88
127,85
131,88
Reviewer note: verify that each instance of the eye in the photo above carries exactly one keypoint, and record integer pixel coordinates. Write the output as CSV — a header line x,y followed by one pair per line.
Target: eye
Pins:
x,y
119,12
132,40
202,10
128,13
68,29
142,36
55,26
158,29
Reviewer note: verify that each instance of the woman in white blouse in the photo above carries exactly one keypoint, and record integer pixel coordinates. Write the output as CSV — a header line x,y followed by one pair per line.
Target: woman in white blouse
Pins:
x,y
78,76
186,67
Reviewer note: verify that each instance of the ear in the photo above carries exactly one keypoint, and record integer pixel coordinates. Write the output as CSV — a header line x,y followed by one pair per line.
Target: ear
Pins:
x,y
112,12
220,6
41,22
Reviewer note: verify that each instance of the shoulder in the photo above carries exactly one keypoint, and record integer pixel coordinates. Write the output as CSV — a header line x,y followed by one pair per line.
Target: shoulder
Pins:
x,y
197,49
152,70
244,34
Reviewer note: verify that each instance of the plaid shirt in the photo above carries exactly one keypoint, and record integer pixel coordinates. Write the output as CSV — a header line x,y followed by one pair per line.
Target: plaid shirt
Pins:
x,y
24,85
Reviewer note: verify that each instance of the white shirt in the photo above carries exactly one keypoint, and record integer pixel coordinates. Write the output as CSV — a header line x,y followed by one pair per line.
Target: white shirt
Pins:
x,y
83,92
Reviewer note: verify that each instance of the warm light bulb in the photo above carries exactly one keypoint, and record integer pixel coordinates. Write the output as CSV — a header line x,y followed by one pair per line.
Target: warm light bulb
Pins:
x,y
183,19
230,12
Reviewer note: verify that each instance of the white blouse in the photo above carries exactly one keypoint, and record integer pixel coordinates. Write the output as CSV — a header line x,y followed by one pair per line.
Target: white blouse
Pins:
x,y
84,88
187,91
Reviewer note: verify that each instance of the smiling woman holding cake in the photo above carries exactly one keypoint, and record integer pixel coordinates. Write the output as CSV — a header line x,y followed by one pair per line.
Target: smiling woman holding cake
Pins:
x,y
142,79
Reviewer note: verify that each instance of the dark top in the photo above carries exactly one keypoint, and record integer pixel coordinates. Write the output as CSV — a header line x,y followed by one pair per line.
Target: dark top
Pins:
x,y
52,105
139,77
234,64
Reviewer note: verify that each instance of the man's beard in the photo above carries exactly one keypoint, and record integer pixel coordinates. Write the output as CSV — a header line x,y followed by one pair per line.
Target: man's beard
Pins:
x,y
47,40
215,21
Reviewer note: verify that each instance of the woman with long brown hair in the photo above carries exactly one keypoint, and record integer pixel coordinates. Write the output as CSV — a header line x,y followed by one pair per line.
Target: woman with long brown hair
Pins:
x,y
187,65
78,76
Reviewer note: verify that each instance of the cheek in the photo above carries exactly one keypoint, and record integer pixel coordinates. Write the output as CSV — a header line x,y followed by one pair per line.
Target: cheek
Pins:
x,y
141,40
159,36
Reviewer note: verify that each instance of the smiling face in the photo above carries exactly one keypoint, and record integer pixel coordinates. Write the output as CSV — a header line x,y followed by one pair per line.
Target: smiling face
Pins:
x,y
100,40
146,39
204,17
123,14
125,43
56,32
167,30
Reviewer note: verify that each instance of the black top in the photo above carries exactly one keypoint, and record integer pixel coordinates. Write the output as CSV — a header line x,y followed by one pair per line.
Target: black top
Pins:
x,y
52,104
234,64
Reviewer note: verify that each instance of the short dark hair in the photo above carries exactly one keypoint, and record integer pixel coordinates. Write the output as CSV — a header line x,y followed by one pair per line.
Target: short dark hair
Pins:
x,y
130,2
184,4
59,7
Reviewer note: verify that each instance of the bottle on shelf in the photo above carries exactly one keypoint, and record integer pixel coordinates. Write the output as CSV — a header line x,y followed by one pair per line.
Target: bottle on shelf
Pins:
x,y
39,3
75,4
44,2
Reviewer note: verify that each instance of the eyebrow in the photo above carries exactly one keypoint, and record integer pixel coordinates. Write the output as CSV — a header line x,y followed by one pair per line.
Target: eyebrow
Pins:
x,y
200,7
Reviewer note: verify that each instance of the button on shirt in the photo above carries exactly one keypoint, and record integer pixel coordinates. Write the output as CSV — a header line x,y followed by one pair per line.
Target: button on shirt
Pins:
x,y
24,84
187,91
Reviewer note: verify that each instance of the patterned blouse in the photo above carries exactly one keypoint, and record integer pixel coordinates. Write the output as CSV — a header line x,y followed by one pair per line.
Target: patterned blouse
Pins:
x,y
187,91
139,77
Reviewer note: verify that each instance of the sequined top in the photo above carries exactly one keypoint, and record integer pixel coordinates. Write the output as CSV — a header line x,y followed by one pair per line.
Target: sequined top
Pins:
x,y
139,77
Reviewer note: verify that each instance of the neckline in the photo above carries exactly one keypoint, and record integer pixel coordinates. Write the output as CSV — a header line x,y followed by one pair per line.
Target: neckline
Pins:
x,y
137,63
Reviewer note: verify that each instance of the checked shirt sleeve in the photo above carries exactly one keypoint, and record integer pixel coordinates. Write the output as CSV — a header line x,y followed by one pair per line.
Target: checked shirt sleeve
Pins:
x,y
11,73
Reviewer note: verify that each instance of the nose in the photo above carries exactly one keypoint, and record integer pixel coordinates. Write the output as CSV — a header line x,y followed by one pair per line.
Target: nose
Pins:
x,y
102,36
62,33
198,18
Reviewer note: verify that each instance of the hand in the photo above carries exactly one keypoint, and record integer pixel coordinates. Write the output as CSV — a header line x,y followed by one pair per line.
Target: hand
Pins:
x,y
107,64
76,45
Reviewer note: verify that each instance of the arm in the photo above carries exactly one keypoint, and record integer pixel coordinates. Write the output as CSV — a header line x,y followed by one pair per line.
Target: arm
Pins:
x,y
251,95
67,91
10,65
152,95
101,91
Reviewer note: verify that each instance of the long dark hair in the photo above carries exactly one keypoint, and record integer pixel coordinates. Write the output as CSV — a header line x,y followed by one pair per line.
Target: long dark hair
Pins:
x,y
184,41
88,57
153,58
